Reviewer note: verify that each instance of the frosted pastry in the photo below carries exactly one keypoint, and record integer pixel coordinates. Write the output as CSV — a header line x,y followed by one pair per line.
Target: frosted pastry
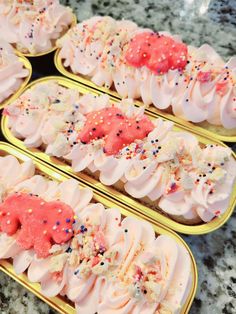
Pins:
x,y
195,84
120,145
33,26
12,71
102,262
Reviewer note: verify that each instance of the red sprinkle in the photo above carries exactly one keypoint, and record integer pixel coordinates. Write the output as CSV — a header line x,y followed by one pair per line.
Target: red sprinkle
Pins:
x,y
204,77
138,273
5,112
115,128
222,88
95,261
34,220
159,53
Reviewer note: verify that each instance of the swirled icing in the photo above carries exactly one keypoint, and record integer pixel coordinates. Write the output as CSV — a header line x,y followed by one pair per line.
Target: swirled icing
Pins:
x,y
194,82
33,26
169,167
13,172
12,71
109,265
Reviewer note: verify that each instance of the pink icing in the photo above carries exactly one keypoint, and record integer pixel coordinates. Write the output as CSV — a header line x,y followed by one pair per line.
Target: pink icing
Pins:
x,y
41,224
157,52
115,128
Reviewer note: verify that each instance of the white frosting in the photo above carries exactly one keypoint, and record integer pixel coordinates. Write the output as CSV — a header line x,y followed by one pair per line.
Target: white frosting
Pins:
x,y
12,71
191,97
33,26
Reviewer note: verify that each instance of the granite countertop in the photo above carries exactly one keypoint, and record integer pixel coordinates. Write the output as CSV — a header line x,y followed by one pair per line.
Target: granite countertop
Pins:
x,y
198,22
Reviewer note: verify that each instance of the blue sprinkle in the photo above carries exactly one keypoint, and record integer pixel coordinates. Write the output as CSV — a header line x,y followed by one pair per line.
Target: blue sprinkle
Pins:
x,y
67,230
67,219
76,272
69,250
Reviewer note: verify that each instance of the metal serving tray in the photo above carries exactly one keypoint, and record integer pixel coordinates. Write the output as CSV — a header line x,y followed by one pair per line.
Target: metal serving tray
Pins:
x,y
59,303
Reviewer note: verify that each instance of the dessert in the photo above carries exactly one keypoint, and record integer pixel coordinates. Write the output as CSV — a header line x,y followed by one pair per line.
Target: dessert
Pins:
x,y
101,261
33,26
120,145
12,71
194,84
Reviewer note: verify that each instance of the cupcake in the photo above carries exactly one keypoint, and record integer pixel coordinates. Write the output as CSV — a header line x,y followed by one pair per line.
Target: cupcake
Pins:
x,y
12,71
194,84
119,145
99,260
33,26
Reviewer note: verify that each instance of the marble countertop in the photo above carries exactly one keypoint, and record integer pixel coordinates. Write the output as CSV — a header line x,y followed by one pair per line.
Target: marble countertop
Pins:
x,y
198,22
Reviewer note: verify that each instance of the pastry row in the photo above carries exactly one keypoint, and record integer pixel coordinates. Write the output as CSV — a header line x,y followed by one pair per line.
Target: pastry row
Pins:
x,y
74,247
117,143
194,84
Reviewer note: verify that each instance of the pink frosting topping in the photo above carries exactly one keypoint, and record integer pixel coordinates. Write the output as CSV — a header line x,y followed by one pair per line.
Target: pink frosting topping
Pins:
x,y
41,224
159,53
115,128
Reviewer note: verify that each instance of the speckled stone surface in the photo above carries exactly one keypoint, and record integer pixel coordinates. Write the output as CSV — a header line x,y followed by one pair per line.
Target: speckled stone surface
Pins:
x,y
197,21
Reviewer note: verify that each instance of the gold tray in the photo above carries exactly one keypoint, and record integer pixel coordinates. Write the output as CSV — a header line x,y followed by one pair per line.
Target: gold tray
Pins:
x,y
31,55
204,128
142,209
28,66
60,303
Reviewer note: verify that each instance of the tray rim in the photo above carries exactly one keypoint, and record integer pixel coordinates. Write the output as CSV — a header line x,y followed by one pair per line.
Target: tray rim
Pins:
x,y
56,302
149,109
133,203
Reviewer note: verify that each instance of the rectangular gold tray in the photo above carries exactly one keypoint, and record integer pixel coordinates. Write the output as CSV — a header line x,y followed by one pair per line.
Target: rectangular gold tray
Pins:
x,y
205,129
28,66
142,209
59,303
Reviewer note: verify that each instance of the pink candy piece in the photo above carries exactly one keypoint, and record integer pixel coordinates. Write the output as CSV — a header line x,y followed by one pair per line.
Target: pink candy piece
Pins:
x,y
115,128
36,223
